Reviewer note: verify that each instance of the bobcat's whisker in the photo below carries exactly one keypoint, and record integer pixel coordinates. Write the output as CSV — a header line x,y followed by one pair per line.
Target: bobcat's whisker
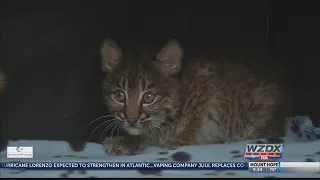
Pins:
x,y
106,116
98,127
160,127
105,130
153,134
163,128
154,140
119,128
168,123
114,128
147,136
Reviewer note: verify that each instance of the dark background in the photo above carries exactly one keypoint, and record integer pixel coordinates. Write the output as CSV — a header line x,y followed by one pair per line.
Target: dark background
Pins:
x,y
50,52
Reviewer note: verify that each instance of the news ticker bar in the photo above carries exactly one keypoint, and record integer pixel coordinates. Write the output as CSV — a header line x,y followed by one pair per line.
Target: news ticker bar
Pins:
x,y
254,167
128,165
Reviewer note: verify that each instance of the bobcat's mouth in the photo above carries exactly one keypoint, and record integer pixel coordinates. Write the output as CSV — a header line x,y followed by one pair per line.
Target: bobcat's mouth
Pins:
x,y
134,129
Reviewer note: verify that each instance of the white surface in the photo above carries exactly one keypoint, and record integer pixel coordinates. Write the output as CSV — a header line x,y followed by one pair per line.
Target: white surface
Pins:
x,y
295,150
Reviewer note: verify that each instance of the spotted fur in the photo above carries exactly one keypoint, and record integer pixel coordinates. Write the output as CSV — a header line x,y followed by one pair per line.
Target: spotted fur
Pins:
x,y
197,101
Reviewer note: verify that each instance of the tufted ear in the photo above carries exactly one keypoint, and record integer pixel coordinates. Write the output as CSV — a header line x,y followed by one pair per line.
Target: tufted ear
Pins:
x,y
169,58
111,55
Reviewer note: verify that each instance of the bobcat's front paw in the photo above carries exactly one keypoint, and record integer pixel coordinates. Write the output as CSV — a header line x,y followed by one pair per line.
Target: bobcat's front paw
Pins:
x,y
169,144
114,146
176,142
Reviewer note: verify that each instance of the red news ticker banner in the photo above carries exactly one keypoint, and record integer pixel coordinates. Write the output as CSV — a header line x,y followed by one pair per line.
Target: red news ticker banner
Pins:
x,y
263,154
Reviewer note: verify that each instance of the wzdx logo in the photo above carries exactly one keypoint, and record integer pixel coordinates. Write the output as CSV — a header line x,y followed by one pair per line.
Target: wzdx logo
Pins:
x,y
263,151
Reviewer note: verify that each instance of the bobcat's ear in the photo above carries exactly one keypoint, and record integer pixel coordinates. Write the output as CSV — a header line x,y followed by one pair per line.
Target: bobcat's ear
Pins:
x,y
111,55
169,58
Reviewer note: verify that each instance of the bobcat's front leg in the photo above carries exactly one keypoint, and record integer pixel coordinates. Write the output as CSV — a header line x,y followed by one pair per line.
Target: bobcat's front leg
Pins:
x,y
176,141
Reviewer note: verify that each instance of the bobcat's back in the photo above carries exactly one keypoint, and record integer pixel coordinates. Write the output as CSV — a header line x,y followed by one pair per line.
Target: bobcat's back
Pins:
x,y
226,102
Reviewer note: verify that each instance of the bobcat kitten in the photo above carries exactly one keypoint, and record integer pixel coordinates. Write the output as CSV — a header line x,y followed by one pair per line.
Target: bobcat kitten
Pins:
x,y
165,101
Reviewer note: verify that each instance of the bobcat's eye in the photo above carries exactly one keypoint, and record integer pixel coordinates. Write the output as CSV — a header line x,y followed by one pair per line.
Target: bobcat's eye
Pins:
x,y
119,96
148,98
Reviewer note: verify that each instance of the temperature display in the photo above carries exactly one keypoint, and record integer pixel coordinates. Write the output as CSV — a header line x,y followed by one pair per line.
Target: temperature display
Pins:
x,y
272,169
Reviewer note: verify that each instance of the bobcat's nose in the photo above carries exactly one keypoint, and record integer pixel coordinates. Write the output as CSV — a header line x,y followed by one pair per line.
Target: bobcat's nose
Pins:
x,y
132,120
